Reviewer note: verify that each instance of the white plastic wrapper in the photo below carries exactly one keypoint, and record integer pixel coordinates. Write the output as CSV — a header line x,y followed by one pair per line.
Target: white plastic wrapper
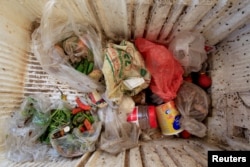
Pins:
x,y
189,49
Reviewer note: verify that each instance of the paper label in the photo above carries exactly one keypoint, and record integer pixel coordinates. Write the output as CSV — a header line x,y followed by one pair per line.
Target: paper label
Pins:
x,y
134,82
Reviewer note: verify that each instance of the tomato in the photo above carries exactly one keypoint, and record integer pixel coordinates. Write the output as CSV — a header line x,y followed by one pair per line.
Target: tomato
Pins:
x,y
204,81
185,134
81,128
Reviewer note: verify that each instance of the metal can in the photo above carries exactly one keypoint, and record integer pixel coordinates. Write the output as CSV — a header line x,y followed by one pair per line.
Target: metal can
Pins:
x,y
168,118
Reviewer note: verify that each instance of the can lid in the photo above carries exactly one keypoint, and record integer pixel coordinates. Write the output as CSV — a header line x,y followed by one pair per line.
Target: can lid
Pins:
x,y
152,117
132,116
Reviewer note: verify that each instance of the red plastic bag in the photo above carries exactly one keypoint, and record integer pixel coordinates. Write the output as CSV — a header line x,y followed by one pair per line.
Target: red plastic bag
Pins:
x,y
165,69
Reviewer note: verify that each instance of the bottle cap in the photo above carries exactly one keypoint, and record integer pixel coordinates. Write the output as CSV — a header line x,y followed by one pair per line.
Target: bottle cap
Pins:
x,y
66,129
132,117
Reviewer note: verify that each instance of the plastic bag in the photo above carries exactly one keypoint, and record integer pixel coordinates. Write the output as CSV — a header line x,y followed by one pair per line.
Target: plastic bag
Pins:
x,y
73,134
124,71
119,135
76,143
166,72
25,127
127,106
189,49
59,29
193,103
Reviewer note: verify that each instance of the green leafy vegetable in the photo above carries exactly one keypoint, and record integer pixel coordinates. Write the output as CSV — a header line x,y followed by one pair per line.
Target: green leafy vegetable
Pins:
x,y
59,118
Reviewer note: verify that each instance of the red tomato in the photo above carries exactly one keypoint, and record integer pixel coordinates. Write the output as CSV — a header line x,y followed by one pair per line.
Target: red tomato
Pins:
x,y
185,134
204,81
81,128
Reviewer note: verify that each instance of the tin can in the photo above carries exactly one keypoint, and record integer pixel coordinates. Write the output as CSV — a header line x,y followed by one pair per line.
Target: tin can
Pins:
x,y
168,118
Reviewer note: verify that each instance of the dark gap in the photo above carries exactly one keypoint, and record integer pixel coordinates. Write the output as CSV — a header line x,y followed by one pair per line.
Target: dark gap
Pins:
x,y
163,25
127,158
142,156
183,11
132,28
239,132
147,22
93,8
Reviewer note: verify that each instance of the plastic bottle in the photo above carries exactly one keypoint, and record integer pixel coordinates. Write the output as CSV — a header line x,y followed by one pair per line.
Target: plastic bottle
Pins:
x,y
144,116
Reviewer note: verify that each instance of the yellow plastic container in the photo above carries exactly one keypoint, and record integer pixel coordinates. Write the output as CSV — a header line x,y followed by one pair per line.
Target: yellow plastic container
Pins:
x,y
169,118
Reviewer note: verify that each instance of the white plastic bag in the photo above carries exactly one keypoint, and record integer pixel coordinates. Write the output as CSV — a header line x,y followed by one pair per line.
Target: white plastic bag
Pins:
x,y
189,49
57,25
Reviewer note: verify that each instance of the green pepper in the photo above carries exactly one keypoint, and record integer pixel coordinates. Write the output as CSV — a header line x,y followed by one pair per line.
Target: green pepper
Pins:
x,y
80,67
89,117
90,67
85,66
78,118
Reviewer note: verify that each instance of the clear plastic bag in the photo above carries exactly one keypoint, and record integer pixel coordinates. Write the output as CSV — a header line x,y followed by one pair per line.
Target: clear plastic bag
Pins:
x,y
76,143
118,135
166,72
189,49
24,128
59,27
72,142
193,104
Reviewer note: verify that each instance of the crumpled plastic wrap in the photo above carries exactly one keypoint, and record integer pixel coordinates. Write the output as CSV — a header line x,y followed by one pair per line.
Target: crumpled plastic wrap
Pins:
x,y
58,29
189,49
24,128
119,135
193,104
